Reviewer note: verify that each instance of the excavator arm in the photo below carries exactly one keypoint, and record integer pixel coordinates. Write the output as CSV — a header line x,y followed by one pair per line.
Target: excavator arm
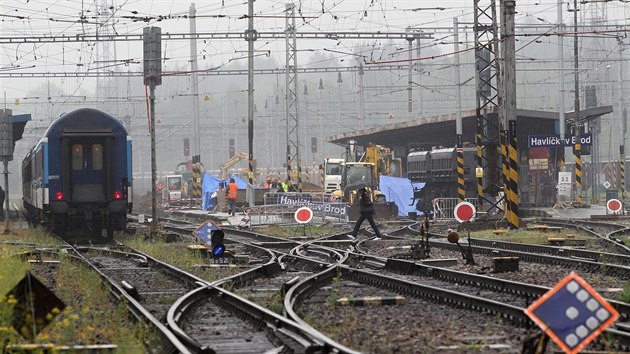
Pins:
x,y
231,162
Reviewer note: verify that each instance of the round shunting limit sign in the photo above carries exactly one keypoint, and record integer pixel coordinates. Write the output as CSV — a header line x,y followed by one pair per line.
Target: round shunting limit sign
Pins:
x,y
303,215
464,211
614,205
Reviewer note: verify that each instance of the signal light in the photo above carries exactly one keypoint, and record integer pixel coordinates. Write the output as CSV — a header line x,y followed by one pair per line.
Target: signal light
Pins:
x,y
59,196
216,240
117,195
217,251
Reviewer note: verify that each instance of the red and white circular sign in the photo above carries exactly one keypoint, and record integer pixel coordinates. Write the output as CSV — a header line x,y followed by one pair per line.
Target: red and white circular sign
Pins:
x,y
303,215
614,205
464,211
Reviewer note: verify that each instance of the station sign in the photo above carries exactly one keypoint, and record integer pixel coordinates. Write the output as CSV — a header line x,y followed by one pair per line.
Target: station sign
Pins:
x,y
555,141
572,313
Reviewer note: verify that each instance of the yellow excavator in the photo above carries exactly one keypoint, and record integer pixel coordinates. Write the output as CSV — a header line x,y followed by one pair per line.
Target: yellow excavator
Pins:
x,y
376,160
239,156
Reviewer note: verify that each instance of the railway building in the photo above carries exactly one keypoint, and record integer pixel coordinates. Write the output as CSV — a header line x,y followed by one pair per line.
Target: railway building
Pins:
x,y
538,166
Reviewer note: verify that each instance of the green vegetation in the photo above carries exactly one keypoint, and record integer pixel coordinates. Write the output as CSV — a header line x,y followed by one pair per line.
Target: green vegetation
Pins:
x,y
178,255
89,317
625,239
297,230
85,322
625,295
523,236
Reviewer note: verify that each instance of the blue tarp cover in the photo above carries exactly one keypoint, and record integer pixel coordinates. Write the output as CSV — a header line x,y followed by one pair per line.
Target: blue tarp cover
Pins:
x,y
400,191
210,184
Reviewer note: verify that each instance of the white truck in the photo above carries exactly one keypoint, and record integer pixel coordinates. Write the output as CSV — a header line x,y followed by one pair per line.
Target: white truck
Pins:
x,y
332,174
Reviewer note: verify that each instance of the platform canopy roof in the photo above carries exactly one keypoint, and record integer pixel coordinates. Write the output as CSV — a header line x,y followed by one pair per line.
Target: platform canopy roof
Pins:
x,y
440,129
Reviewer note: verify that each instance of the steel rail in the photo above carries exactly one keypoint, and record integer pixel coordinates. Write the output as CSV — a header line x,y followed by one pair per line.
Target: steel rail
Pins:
x,y
607,238
170,342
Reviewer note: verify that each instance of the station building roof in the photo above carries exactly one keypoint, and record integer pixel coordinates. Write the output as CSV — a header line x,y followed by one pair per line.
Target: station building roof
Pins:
x,y
440,129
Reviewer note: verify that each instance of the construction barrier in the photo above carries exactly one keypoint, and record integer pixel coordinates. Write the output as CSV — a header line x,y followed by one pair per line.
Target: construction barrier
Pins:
x,y
280,208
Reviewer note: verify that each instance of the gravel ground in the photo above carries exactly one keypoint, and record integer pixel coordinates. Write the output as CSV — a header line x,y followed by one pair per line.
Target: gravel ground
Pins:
x,y
418,326
531,273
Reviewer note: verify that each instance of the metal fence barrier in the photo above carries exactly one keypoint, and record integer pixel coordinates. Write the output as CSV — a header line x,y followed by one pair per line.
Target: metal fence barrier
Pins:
x,y
279,208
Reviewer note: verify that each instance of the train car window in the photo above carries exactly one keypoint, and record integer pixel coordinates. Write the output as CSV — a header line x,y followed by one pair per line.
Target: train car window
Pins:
x,y
77,157
97,157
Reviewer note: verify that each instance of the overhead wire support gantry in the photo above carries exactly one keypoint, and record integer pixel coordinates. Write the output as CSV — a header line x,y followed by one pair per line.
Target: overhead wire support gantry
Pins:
x,y
488,99
291,89
209,35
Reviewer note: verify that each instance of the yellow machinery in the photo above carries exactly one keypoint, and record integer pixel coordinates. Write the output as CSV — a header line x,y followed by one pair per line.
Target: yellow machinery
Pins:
x,y
383,160
377,160
239,156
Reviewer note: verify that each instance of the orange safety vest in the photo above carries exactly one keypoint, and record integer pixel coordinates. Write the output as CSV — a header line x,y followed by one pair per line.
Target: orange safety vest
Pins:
x,y
232,190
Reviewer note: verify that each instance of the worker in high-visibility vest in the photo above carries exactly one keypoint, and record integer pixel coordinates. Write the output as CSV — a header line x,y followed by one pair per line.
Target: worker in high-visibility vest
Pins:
x,y
232,192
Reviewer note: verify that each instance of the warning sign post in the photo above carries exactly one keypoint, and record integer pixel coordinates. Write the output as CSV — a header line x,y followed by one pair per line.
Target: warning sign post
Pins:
x,y
572,313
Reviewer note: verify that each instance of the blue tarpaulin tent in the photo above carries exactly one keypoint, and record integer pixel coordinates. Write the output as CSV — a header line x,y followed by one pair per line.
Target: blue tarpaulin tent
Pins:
x,y
210,184
400,191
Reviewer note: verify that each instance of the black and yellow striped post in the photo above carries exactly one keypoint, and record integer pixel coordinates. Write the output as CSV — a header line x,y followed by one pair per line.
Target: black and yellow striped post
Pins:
x,y
289,176
461,187
196,178
505,169
578,169
514,220
479,171
299,175
250,173
622,170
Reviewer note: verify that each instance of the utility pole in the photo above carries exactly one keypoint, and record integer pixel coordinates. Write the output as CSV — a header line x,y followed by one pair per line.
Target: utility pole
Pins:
x,y
6,155
194,87
361,98
461,187
623,123
577,148
152,45
321,119
419,72
561,107
250,36
410,40
509,118
305,120
339,99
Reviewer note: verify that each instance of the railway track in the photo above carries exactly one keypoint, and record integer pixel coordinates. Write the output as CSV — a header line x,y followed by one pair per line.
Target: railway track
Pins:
x,y
319,293
164,341
604,231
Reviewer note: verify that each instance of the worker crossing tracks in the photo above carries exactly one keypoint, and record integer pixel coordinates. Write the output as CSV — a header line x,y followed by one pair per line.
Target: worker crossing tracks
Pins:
x,y
607,232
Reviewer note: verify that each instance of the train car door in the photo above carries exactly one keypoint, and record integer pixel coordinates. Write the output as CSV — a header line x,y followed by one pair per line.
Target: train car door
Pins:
x,y
87,169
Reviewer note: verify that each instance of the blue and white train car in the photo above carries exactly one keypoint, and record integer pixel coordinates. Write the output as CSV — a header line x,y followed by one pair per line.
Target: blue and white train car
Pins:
x,y
78,176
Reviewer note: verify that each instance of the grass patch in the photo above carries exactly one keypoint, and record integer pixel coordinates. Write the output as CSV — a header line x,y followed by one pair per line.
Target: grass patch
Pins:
x,y
89,318
625,239
297,230
179,256
85,322
625,295
522,236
